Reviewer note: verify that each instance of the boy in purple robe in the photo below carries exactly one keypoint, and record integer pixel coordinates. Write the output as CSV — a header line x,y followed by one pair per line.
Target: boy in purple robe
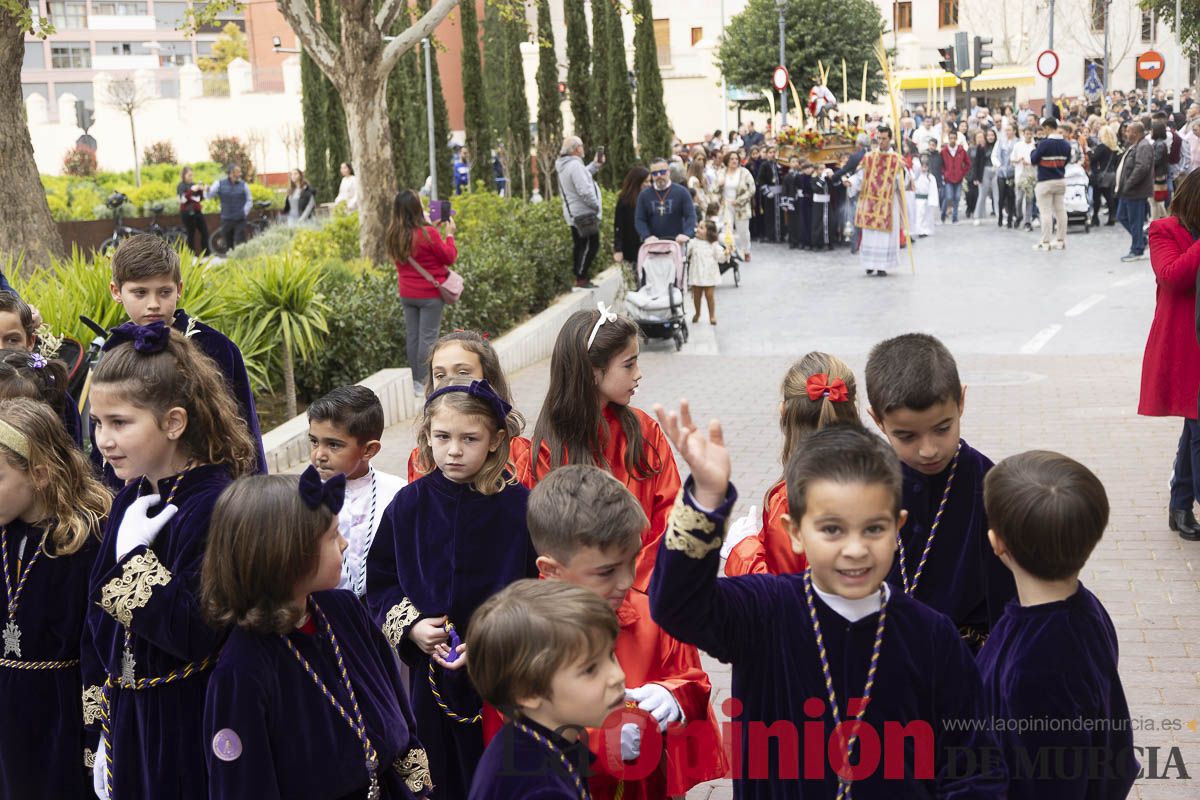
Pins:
x,y
842,686
543,653
943,557
1053,655
147,282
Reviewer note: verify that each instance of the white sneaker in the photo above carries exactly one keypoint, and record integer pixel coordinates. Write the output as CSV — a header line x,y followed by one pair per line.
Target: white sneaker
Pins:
x,y
1041,246
1058,244
976,223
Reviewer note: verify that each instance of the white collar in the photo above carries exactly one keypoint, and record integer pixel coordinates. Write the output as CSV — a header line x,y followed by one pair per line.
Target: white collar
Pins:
x,y
854,610
363,482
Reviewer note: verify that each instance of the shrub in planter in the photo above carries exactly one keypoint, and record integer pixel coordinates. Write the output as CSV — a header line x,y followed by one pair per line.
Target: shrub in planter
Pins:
x,y
79,160
159,153
337,239
151,192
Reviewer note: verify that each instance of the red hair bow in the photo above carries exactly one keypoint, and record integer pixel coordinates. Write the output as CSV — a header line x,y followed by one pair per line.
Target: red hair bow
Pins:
x,y
820,386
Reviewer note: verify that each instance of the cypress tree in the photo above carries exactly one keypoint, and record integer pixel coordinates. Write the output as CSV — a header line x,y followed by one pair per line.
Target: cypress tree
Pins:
x,y
337,140
493,77
479,135
549,116
441,117
653,127
621,154
601,10
579,58
517,113
406,116
316,166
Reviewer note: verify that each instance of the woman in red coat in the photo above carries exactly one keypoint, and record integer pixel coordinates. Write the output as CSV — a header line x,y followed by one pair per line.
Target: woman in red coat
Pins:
x,y
1171,367
410,238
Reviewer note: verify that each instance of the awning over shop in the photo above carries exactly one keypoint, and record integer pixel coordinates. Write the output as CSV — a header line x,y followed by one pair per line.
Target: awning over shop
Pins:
x,y
923,78
1003,78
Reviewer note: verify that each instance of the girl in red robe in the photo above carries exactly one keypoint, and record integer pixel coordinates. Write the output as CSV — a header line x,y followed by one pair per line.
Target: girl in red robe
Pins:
x,y
819,390
586,419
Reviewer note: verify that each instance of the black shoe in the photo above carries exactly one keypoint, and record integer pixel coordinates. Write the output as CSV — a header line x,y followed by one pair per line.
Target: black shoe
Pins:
x,y
1184,521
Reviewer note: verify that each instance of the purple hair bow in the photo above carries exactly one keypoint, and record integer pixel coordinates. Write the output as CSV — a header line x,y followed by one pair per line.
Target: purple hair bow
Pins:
x,y
315,492
484,391
146,339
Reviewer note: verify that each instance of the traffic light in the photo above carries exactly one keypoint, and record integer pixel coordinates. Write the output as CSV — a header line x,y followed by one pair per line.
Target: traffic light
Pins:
x,y
946,59
84,116
982,54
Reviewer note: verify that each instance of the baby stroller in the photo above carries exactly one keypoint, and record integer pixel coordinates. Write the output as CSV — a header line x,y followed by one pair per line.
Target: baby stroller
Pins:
x,y
1079,210
657,307
734,263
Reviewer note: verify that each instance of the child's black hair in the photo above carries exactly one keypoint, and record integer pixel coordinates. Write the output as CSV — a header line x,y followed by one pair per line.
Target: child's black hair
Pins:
x,y
913,371
842,454
355,409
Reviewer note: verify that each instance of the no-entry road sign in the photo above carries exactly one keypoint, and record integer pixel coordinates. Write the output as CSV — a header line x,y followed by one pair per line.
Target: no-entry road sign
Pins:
x,y
1150,65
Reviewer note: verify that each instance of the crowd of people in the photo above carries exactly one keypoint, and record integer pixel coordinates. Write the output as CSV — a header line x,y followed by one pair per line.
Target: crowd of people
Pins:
x,y
521,617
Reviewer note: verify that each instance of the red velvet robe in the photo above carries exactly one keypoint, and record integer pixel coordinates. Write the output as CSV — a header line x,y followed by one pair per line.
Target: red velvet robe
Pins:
x,y
518,456
655,492
768,552
648,655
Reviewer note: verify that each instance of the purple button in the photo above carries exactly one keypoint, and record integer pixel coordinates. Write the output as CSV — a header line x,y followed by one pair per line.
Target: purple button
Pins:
x,y
227,745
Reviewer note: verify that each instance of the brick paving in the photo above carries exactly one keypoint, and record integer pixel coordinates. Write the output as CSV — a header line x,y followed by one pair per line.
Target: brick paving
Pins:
x,y
1080,404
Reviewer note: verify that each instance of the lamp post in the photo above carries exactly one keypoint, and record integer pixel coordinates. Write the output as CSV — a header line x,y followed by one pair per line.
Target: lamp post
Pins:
x,y
780,6
1050,81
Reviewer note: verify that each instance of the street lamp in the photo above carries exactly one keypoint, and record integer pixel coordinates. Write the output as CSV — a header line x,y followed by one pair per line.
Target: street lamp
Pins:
x,y
1050,80
780,6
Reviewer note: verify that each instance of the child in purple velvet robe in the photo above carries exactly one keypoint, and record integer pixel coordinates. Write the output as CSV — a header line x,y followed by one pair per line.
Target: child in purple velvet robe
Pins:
x,y
448,542
1053,655
167,424
842,685
306,699
943,557
51,510
147,282
543,653
19,323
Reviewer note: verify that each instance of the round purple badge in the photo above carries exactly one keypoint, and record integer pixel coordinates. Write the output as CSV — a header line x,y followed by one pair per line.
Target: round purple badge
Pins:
x,y
227,745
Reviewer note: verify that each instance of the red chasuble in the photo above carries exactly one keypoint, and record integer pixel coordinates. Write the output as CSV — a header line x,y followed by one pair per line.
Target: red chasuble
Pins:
x,y
693,752
656,492
874,210
770,550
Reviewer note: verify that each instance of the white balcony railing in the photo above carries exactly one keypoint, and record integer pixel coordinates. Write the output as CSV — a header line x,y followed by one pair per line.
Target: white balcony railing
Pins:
x,y
120,63
121,22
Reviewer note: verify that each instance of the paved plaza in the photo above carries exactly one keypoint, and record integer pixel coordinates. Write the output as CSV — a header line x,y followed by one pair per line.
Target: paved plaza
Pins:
x,y
1050,346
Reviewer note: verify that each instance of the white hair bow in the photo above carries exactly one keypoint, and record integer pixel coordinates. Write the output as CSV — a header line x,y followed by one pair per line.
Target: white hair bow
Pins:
x,y
606,315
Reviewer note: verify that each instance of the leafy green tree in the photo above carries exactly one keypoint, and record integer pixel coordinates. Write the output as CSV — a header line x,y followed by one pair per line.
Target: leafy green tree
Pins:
x,y
441,117
229,45
848,29
326,144
621,155
653,127
579,68
549,116
406,117
475,117
1188,9
494,72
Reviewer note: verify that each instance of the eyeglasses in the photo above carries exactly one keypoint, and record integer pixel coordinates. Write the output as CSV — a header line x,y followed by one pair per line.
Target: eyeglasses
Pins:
x,y
659,171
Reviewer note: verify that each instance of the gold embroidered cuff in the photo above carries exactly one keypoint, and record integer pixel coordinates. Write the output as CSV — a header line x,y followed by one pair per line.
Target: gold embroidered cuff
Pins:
x,y
89,758
413,767
398,620
691,532
121,596
91,704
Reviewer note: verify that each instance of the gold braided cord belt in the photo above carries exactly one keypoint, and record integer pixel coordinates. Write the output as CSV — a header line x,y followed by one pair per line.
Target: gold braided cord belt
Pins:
x,y
9,663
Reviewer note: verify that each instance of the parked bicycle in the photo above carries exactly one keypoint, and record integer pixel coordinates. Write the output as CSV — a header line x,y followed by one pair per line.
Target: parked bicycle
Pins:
x,y
255,224
176,236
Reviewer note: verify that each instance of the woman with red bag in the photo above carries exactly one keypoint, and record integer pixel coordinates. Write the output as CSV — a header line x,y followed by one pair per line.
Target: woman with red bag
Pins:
x,y
423,260
1171,366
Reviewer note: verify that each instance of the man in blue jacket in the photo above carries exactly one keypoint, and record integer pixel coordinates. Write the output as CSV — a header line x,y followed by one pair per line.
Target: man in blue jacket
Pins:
x,y
664,209
236,201
1050,156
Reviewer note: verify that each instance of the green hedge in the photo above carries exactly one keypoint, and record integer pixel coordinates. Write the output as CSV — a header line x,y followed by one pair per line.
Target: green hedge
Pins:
x,y
74,198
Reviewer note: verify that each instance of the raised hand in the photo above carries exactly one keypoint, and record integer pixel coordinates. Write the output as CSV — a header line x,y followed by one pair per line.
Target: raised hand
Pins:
x,y
705,454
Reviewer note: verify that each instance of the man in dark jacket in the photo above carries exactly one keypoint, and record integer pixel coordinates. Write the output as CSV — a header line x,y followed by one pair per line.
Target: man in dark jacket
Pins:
x,y
1135,186
1051,156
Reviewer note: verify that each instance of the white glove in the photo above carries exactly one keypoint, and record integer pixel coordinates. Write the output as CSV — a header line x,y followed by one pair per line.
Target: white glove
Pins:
x,y
100,773
739,529
139,529
658,702
631,743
